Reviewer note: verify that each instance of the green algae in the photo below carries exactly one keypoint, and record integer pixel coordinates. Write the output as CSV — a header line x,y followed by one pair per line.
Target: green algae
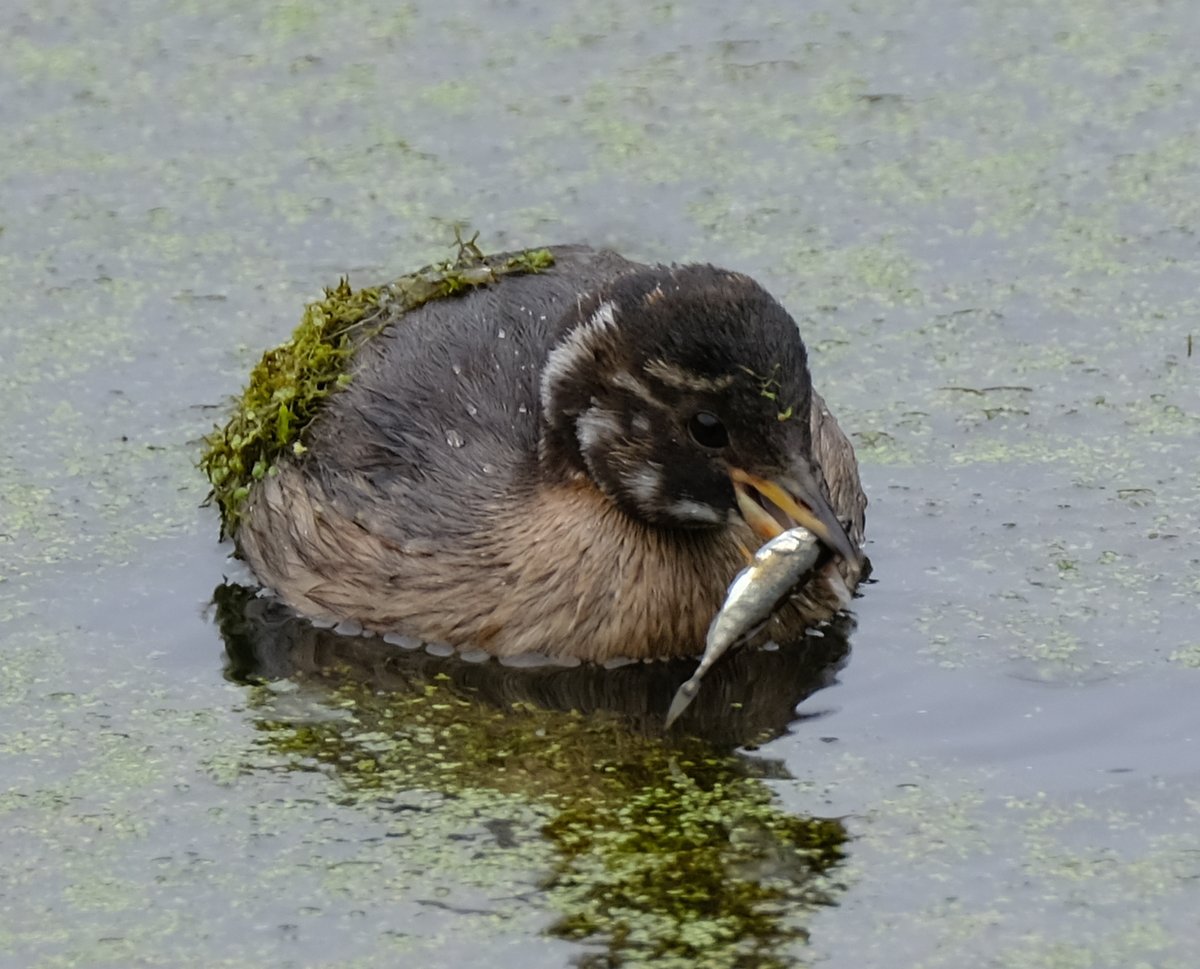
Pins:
x,y
288,385
1188,656
695,864
670,854
769,388
282,396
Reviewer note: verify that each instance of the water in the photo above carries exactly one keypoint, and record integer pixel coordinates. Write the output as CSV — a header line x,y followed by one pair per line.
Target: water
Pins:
x,y
982,215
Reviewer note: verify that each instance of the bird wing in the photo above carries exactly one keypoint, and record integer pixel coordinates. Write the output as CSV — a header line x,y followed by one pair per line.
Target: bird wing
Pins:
x,y
835,455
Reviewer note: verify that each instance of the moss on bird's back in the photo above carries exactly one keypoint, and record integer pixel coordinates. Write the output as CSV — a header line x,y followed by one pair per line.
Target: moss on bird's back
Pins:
x,y
287,386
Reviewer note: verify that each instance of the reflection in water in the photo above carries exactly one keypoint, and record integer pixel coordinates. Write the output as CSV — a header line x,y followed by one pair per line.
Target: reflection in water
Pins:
x,y
665,846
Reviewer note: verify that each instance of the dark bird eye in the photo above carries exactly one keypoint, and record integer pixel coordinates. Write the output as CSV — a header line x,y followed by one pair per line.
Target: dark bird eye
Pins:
x,y
707,430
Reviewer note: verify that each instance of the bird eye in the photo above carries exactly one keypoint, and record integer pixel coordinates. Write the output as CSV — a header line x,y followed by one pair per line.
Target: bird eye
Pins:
x,y
707,430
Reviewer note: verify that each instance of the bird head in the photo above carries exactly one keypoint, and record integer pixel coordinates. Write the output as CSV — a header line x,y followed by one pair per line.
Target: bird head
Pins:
x,y
683,394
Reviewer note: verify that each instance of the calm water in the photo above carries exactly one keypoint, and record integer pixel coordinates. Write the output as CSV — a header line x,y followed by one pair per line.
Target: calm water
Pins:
x,y
984,218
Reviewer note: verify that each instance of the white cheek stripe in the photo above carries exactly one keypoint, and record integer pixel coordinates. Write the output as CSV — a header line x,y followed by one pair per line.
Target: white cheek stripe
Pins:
x,y
595,425
645,484
604,318
577,349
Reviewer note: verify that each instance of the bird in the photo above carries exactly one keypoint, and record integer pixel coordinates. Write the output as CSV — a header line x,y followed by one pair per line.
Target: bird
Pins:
x,y
574,462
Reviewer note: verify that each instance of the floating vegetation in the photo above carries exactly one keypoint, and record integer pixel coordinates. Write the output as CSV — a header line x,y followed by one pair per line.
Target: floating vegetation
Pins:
x,y
663,852
685,859
770,388
288,384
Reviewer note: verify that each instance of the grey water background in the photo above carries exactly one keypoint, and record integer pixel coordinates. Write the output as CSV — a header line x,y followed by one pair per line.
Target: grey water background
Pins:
x,y
983,216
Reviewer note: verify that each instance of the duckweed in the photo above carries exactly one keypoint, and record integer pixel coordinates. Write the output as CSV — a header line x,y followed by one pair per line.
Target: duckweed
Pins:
x,y
676,854
287,386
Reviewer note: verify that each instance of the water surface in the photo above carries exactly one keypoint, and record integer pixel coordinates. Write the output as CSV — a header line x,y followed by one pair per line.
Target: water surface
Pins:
x,y
983,216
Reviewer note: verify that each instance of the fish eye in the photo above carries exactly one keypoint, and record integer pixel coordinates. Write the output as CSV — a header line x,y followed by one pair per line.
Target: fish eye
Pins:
x,y
707,430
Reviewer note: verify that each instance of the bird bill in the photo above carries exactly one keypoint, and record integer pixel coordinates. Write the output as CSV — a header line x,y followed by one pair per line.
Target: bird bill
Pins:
x,y
776,569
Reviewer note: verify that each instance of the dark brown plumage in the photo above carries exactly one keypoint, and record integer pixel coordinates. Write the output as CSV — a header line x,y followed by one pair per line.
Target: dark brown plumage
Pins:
x,y
574,462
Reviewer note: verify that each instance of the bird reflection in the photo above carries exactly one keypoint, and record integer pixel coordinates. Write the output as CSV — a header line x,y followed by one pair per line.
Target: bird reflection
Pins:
x,y
749,697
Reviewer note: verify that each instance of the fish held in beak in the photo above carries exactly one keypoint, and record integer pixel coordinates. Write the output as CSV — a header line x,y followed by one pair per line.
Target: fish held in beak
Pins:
x,y
793,518
771,507
753,595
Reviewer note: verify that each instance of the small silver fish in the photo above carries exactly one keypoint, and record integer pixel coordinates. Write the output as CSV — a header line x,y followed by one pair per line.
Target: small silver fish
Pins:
x,y
752,596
